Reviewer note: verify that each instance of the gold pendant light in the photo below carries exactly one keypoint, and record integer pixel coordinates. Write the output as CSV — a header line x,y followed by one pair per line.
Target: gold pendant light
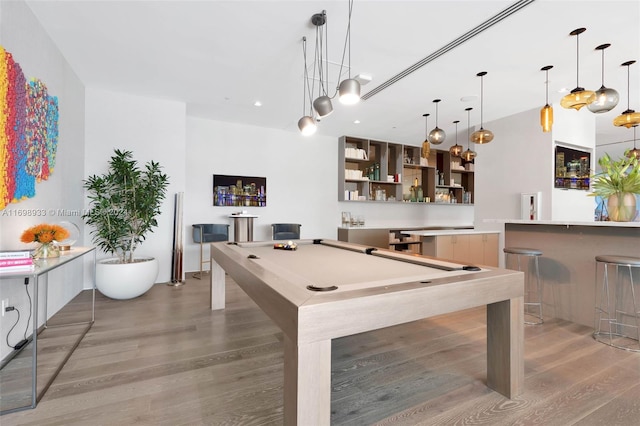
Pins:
x,y
437,135
629,117
426,147
578,96
456,150
482,135
468,155
546,113
635,152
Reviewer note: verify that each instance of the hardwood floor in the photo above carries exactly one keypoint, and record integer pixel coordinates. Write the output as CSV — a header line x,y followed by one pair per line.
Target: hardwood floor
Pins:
x,y
166,359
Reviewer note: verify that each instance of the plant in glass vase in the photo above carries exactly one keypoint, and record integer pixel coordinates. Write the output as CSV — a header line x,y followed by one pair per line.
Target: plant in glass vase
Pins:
x,y
47,236
618,182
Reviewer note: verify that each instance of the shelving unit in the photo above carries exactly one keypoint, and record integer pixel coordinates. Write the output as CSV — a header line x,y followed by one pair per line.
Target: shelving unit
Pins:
x,y
372,170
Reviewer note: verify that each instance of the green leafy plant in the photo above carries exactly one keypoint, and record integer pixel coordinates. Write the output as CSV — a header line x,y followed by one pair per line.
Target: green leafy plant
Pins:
x,y
621,176
124,203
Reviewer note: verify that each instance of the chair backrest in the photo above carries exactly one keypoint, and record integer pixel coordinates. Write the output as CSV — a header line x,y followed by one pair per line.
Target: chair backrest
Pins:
x,y
286,231
210,232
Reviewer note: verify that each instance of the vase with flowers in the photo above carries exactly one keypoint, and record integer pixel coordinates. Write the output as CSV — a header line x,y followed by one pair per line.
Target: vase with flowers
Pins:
x,y
46,236
618,183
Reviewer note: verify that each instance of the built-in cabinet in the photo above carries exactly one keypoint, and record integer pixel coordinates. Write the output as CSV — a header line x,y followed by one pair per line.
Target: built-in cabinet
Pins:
x,y
472,248
372,170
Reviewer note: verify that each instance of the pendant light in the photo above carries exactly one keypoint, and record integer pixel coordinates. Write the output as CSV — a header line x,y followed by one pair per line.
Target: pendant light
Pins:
x,y
306,124
635,152
629,117
322,104
603,99
468,155
481,136
437,135
546,113
578,96
349,89
426,147
456,150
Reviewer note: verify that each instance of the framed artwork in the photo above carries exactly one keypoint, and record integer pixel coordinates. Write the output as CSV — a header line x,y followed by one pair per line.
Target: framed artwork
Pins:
x,y
239,191
573,168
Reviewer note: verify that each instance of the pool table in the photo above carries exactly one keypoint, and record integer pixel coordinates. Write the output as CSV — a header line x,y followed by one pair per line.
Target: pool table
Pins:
x,y
325,289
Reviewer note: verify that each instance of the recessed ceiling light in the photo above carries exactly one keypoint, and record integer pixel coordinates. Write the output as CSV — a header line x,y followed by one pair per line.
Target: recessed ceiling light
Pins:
x,y
469,98
356,122
257,103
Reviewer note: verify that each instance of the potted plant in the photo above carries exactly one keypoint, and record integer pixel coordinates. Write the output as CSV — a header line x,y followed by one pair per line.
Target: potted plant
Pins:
x,y
618,182
123,205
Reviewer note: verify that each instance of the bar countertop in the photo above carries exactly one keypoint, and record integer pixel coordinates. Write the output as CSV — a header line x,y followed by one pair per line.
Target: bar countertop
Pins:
x,y
569,223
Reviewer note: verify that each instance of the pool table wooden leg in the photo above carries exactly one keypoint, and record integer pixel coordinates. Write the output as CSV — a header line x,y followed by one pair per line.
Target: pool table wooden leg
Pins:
x,y
307,383
505,346
217,286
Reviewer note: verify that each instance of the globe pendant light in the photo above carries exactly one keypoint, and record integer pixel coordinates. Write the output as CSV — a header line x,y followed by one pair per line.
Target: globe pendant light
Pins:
x,y
634,152
426,147
578,96
468,155
437,135
546,113
481,136
306,124
349,89
456,149
604,99
629,117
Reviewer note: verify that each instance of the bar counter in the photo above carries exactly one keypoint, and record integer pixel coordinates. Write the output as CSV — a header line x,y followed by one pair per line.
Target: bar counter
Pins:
x,y
567,266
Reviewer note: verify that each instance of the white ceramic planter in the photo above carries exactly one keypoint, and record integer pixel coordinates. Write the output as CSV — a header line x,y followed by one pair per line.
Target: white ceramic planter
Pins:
x,y
126,280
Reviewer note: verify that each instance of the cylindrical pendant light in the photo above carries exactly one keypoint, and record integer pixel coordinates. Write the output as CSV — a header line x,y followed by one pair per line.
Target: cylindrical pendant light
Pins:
x,y
437,135
578,96
426,147
546,113
349,89
604,99
482,135
456,150
468,155
629,117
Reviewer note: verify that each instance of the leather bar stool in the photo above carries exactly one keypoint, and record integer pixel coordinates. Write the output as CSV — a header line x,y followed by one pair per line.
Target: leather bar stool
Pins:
x,y
533,296
617,313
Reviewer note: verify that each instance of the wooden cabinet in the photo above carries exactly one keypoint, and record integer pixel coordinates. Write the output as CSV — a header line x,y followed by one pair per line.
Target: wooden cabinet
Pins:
x,y
474,249
372,170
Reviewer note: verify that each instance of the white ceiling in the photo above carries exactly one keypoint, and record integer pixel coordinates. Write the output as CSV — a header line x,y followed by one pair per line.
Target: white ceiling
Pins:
x,y
221,56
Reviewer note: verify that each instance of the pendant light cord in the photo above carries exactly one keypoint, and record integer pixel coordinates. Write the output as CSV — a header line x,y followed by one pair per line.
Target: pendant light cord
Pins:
x,y
602,82
546,83
577,59
481,100
628,80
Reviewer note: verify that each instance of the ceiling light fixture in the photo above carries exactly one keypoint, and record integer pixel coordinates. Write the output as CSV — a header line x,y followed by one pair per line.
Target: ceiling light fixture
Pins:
x,y
629,117
426,148
437,135
322,104
468,155
634,152
546,113
481,136
456,150
306,124
604,99
578,96
349,89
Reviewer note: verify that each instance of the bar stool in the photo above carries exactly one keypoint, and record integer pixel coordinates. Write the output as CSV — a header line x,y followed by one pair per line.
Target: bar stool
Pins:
x,y
617,316
207,233
530,300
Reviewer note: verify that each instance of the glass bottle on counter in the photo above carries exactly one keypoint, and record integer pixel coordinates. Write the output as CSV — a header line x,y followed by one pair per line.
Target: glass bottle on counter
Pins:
x,y
376,173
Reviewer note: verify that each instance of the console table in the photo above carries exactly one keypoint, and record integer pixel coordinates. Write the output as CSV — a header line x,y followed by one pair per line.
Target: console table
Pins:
x,y
43,267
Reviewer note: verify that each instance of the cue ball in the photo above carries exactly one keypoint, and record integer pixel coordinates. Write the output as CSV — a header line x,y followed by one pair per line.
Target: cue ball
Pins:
x,y
289,243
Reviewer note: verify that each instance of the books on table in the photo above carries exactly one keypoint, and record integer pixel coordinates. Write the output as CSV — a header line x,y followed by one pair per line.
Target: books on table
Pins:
x,y
16,261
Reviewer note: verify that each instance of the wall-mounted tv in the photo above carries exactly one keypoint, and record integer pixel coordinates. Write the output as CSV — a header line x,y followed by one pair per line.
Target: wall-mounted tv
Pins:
x,y
239,191
573,168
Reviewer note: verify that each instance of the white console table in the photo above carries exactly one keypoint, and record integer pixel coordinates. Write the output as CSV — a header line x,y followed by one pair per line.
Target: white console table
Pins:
x,y
43,267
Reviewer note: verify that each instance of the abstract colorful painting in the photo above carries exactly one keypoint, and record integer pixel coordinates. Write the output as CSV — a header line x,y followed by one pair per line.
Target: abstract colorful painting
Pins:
x,y
28,132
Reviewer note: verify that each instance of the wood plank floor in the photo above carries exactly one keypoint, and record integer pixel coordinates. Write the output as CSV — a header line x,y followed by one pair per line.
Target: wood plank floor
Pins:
x,y
166,359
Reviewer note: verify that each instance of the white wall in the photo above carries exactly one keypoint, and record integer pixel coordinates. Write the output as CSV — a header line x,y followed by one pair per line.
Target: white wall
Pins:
x,y
22,36
152,129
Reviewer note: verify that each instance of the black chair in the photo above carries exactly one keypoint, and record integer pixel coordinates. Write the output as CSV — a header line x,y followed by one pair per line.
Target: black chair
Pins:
x,y
207,233
286,231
